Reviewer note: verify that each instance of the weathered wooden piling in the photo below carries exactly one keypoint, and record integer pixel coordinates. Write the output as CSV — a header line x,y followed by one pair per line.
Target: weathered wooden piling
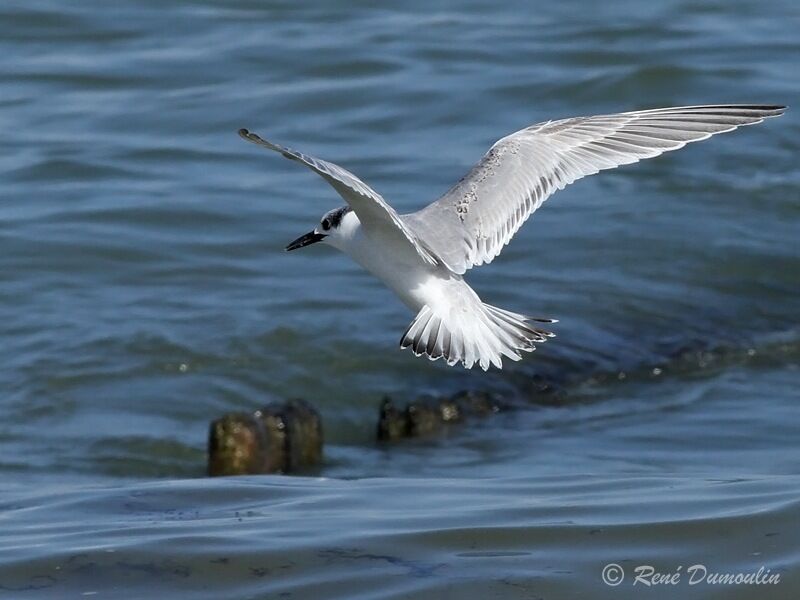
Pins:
x,y
429,415
279,438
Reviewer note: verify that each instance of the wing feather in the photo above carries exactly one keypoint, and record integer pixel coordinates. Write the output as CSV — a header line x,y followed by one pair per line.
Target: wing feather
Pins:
x,y
373,211
470,224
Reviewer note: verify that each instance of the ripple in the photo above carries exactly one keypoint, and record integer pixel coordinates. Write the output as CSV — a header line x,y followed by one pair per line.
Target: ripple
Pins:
x,y
145,292
248,535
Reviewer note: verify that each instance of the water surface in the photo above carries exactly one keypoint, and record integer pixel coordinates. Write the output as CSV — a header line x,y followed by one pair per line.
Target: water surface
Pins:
x,y
144,292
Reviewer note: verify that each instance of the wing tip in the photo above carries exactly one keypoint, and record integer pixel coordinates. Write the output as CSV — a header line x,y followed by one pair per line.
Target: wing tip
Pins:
x,y
764,110
249,136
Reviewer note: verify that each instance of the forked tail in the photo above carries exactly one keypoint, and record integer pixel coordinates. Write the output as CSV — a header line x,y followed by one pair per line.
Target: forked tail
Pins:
x,y
482,336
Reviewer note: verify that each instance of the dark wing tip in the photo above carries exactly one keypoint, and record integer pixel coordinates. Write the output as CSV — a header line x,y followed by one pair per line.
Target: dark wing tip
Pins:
x,y
760,111
764,110
755,106
248,135
770,110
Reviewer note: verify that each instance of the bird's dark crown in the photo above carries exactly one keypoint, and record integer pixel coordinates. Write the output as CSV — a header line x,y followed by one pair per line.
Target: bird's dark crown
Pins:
x,y
336,215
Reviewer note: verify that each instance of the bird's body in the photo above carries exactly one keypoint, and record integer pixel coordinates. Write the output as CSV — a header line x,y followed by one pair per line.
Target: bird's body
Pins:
x,y
397,265
460,318
423,256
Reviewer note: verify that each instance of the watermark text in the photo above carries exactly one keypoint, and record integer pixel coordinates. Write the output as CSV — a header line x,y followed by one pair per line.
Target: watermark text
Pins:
x,y
698,574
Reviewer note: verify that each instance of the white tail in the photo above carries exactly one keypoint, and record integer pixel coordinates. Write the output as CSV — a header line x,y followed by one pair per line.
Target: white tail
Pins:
x,y
481,336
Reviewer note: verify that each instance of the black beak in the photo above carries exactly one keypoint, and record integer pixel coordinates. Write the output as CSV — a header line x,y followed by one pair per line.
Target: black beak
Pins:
x,y
312,237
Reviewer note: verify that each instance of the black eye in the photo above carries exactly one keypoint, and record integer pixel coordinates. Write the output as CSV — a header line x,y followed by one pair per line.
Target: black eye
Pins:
x,y
326,224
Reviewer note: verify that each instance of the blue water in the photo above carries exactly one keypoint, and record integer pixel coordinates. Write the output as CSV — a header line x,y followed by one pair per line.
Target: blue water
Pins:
x,y
144,292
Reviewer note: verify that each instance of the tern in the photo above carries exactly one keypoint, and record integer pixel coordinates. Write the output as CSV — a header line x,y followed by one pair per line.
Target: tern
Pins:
x,y
423,256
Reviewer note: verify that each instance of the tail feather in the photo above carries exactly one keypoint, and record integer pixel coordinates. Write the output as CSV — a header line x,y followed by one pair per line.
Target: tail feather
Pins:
x,y
519,322
484,336
434,348
502,339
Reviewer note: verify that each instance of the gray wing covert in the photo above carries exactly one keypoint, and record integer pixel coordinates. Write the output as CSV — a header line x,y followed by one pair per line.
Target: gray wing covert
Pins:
x,y
471,223
373,211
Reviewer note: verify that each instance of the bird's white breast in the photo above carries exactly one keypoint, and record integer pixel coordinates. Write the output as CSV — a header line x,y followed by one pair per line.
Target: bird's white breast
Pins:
x,y
396,264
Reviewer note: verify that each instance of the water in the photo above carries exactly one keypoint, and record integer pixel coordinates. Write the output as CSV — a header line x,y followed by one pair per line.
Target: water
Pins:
x,y
144,292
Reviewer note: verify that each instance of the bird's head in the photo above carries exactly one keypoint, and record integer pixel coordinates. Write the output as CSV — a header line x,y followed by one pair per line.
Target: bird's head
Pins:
x,y
334,228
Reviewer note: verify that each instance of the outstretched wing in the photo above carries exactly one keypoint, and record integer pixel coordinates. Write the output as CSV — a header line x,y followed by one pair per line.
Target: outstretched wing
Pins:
x,y
373,211
472,222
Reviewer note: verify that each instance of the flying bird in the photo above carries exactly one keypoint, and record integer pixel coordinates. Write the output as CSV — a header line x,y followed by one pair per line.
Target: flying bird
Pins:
x,y
423,256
